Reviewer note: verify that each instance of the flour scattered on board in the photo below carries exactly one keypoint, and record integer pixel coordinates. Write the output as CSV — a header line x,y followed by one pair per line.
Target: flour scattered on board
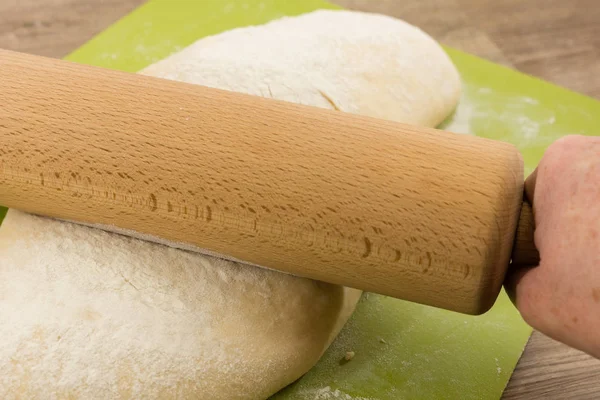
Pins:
x,y
327,393
111,56
517,119
461,120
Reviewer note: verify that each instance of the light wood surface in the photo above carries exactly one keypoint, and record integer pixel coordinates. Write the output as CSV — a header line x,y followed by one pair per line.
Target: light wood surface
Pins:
x,y
556,40
446,244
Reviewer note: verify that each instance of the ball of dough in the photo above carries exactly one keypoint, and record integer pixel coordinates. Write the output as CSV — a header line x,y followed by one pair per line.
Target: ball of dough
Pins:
x,y
89,314
355,62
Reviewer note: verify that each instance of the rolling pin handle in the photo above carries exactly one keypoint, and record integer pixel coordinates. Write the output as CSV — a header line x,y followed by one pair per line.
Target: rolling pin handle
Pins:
x,y
524,253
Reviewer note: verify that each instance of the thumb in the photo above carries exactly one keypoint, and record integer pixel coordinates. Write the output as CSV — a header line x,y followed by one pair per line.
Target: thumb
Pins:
x,y
530,186
515,273
512,282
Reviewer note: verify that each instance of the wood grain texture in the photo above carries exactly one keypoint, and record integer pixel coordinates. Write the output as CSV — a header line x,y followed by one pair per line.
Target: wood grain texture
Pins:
x,y
55,28
525,254
552,39
293,188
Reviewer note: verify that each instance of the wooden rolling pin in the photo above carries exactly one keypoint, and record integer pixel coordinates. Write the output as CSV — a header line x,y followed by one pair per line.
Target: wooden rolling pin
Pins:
x,y
419,214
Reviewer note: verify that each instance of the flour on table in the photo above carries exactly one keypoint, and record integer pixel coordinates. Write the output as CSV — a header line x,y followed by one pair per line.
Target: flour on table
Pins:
x,y
509,122
328,393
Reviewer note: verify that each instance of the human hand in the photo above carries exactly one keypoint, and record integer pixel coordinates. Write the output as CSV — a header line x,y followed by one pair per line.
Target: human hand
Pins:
x,y
561,296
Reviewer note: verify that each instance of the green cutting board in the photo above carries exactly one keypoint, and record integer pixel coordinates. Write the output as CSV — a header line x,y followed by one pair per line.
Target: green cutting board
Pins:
x,y
403,350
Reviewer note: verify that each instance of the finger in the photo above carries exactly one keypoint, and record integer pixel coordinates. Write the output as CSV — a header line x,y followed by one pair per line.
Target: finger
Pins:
x,y
514,277
528,291
530,185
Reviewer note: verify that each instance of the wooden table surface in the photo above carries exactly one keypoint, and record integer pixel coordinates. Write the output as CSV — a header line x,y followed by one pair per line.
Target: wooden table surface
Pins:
x,y
556,40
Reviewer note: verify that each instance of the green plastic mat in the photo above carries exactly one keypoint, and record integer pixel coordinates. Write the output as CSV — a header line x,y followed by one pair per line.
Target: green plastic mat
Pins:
x,y
402,350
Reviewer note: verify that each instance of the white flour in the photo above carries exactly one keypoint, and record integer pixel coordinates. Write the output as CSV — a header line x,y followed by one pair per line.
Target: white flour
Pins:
x,y
327,393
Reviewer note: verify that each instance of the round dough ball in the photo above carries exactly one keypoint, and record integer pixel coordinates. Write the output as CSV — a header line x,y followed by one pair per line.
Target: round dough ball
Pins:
x,y
355,62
